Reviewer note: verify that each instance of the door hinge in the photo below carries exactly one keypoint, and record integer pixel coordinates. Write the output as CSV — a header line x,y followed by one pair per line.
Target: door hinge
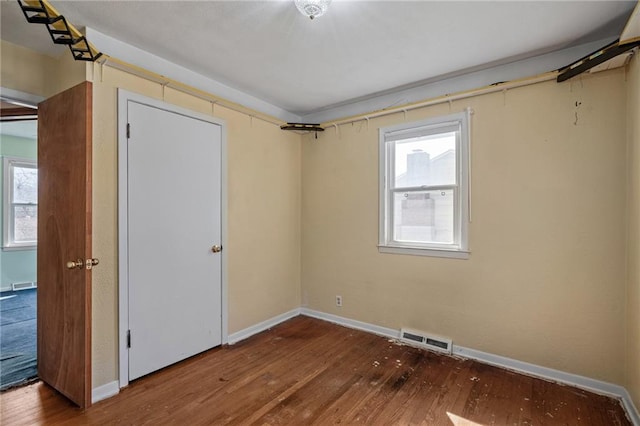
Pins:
x,y
128,338
128,130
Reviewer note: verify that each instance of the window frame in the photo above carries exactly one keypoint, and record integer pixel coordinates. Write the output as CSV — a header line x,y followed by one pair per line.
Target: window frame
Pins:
x,y
8,231
388,136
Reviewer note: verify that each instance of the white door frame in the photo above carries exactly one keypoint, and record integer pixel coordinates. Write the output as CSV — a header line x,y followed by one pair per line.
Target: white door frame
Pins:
x,y
26,99
123,255
22,97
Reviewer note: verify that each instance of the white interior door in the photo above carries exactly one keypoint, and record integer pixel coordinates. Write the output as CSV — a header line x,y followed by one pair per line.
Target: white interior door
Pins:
x,y
174,186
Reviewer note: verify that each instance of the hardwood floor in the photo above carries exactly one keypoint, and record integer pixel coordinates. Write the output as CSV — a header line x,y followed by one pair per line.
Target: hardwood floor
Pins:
x,y
307,371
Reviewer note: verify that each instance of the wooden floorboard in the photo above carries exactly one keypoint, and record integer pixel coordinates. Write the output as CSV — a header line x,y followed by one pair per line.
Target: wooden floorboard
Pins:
x,y
306,371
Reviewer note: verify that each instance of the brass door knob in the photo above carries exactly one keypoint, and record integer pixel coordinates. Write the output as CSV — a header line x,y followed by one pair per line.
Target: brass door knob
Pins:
x,y
78,264
216,249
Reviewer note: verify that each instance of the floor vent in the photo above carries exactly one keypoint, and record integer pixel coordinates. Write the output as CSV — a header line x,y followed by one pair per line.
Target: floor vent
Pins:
x,y
424,340
23,286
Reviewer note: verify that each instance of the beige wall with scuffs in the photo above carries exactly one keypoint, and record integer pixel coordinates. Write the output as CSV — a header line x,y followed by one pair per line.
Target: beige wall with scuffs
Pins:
x,y
31,72
632,370
545,281
264,184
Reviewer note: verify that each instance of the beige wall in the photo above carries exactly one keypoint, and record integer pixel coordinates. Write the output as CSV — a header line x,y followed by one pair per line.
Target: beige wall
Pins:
x,y
545,281
264,184
37,74
632,371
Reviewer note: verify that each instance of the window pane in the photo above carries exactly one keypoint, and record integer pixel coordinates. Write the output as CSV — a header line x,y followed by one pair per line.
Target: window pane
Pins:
x,y
25,185
424,216
429,160
25,220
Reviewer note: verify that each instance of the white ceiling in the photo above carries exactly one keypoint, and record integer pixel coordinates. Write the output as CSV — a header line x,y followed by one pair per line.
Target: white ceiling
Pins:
x,y
358,50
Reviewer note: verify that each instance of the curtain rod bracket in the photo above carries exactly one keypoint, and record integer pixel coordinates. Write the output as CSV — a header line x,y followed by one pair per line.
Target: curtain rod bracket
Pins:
x,y
305,127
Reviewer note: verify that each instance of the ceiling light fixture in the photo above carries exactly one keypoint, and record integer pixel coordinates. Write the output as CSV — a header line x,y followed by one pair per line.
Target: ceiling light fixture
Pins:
x,y
312,8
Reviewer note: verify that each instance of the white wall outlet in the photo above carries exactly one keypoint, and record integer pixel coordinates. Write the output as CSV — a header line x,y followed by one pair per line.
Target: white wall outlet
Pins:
x,y
339,301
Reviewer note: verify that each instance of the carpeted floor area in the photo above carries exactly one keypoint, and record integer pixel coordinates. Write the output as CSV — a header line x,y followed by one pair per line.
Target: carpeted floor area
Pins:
x,y
17,337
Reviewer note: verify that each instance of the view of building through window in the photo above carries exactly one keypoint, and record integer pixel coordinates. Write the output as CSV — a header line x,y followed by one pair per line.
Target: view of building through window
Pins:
x,y
425,215
424,187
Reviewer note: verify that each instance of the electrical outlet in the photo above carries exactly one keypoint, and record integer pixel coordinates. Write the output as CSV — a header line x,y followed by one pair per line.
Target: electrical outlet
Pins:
x,y
339,301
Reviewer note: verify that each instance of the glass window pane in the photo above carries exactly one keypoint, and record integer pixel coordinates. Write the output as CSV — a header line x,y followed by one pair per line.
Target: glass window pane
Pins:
x,y
429,160
424,216
25,185
25,220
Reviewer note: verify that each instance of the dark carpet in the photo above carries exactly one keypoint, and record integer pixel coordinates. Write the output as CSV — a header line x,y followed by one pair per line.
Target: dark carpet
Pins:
x,y
17,337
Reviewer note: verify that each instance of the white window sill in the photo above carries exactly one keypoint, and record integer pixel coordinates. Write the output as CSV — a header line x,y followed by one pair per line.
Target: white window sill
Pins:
x,y
451,254
18,248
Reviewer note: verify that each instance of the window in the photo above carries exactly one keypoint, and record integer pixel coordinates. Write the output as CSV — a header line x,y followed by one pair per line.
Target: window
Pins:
x,y
20,203
424,199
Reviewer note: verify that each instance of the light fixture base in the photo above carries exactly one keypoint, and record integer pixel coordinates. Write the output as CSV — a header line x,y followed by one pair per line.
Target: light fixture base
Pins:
x,y
312,8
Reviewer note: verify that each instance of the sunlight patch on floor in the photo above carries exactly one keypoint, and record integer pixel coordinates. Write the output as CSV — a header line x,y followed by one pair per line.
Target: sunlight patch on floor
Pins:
x,y
460,421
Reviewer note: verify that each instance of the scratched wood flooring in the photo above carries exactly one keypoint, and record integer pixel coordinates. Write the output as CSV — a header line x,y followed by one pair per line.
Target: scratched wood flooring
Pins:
x,y
306,371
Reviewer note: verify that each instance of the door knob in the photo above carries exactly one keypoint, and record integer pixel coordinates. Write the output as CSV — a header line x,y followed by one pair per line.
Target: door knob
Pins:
x,y
78,264
216,249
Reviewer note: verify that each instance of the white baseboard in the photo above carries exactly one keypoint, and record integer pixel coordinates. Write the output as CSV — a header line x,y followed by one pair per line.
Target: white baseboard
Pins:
x,y
581,382
113,388
586,383
632,410
10,287
358,325
262,326
105,391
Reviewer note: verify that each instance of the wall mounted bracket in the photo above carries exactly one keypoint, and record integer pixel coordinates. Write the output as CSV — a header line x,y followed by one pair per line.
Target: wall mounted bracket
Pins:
x,y
305,127
41,12
596,58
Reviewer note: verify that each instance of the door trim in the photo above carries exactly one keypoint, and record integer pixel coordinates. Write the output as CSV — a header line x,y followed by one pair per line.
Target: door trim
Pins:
x,y
16,95
124,97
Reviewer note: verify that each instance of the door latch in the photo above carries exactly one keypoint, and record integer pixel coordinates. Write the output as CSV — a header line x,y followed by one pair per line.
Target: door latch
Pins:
x,y
90,263
79,264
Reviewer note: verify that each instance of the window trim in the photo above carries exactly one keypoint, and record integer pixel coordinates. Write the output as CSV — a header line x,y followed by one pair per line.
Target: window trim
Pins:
x,y
389,135
8,163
